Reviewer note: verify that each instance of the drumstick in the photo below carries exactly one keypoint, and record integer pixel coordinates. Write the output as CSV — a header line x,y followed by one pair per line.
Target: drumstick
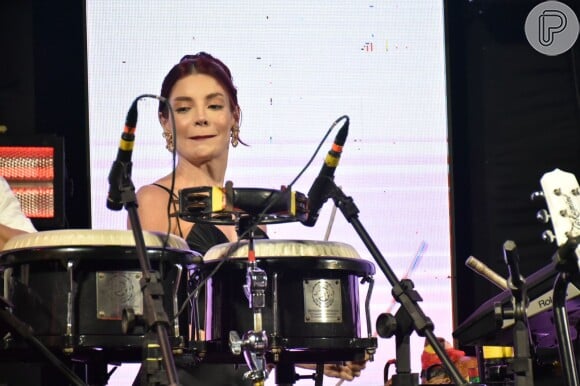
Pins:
x,y
330,222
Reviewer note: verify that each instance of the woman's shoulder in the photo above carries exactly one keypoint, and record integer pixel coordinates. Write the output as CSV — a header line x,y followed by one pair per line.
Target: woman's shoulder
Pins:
x,y
157,188
153,194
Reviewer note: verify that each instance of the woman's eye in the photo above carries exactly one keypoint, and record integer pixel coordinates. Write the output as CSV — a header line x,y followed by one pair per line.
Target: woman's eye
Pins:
x,y
216,107
182,109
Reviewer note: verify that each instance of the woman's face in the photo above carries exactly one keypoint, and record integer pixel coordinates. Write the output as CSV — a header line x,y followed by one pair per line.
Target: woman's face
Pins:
x,y
203,118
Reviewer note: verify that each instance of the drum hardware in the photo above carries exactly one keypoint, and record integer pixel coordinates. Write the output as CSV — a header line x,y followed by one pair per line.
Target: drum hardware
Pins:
x,y
275,347
179,270
409,317
371,348
254,342
68,337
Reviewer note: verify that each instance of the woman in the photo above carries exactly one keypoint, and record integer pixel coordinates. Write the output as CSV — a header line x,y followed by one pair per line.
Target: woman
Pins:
x,y
204,100
207,115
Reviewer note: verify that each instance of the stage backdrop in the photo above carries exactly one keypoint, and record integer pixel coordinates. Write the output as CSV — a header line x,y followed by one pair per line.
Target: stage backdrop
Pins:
x,y
298,66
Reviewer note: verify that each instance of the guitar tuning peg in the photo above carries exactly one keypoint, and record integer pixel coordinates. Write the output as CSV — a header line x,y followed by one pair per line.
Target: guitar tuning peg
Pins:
x,y
548,236
537,195
543,216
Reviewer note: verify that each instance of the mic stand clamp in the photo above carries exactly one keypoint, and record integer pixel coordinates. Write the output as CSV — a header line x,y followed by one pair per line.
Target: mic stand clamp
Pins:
x,y
410,316
401,326
154,315
566,261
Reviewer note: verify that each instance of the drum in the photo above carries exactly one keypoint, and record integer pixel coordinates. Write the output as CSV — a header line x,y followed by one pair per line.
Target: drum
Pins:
x,y
71,287
312,305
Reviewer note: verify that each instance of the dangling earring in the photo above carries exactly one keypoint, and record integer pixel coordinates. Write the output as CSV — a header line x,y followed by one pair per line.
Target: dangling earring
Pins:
x,y
235,135
168,135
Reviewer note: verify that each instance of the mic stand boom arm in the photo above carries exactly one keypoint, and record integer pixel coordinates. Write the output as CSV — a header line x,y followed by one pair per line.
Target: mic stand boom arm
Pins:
x,y
411,317
155,317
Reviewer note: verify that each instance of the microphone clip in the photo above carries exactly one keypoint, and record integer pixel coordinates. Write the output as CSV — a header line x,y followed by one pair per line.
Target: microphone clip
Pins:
x,y
121,187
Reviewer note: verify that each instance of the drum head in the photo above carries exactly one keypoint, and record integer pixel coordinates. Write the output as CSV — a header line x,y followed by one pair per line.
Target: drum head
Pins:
x,y
298,254
88,243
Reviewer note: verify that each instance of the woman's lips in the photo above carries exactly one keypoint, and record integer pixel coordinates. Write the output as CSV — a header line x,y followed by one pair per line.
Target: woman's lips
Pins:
x,y
201,137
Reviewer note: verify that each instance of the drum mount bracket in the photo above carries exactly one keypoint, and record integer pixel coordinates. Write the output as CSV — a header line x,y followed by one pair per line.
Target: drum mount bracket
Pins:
x,y
254,343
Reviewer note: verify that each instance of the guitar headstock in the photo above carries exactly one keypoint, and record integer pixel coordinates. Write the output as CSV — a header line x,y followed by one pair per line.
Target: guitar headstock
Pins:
x,y
562,195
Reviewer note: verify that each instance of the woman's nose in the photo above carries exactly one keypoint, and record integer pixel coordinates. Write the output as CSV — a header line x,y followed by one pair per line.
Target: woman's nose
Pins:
x,y
200,119
201,122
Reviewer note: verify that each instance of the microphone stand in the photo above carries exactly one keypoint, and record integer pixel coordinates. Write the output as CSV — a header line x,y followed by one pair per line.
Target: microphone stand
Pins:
x,y
522,363
567,264
154,315
410,316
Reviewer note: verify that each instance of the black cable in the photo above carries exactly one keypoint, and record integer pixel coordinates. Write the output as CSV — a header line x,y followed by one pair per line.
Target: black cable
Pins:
x,y
289,186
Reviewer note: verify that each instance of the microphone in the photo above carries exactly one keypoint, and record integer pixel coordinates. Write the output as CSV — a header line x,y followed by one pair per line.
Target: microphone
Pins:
x,y
488,273
317,195
122,165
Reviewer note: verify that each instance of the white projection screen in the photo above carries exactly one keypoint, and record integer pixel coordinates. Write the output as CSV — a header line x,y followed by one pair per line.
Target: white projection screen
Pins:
x,y
299,66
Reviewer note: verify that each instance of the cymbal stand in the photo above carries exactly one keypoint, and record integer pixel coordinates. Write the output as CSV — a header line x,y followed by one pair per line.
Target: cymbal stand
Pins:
x,y
156,342
254,342
566,261
522,363
410,316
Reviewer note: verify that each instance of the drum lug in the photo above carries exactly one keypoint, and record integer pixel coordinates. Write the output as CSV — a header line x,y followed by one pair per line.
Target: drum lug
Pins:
x,y
68,339
179,269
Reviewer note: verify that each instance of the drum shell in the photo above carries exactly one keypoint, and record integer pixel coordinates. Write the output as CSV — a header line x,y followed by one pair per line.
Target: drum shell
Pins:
x,y
40,286
227,308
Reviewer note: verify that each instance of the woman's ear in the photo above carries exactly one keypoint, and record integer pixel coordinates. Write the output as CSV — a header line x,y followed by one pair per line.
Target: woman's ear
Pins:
x,y
237,114
163,121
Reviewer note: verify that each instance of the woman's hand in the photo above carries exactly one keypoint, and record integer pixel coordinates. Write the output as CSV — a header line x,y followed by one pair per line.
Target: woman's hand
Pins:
x,y
347,370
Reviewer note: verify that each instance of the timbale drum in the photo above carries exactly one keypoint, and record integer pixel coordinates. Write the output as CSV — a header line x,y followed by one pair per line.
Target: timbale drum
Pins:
x,y
71,287
312,301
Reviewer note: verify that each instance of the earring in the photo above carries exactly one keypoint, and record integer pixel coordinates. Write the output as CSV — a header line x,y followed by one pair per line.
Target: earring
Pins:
x,y
168,135
235,135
